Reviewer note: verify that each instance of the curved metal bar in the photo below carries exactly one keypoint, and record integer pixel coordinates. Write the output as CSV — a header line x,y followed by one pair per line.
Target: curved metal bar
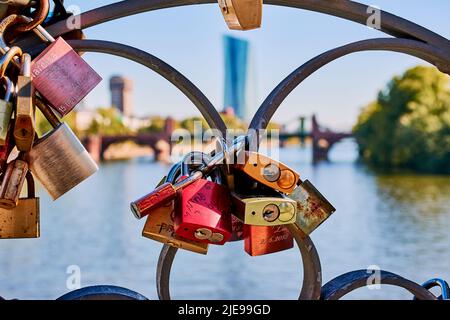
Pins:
x,y
350,10
102,293
442,284
348,282
194,94
440,58
312,274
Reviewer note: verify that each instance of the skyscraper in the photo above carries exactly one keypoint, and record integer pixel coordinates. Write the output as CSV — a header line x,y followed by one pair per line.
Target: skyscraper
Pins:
x,y
121,91
236,74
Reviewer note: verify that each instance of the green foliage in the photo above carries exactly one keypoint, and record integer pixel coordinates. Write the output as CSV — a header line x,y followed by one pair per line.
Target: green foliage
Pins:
x,y
108,122
157,124
43,126
408,127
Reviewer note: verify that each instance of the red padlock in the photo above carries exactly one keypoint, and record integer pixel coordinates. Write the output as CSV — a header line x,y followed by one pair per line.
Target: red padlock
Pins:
x,y
260,240
61,76
203,213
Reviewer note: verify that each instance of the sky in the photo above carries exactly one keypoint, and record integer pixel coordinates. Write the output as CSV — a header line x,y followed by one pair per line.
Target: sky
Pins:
x,y
190,39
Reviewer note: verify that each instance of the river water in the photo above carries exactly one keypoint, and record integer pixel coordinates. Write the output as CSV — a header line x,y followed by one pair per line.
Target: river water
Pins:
x,y
398,222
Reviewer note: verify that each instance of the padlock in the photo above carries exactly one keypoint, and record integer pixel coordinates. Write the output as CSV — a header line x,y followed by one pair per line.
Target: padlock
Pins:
x,y
312,207
242,14
269,172
160,226
266,240
58,159
264,211
12,183
168,192
24,128
203,212
6,109
5,151
61,76
23,220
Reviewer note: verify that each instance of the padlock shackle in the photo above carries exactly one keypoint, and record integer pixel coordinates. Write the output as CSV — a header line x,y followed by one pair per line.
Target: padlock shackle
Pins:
x,y
25,61
9,88
30,185
7,58
47,112
40,16
12,20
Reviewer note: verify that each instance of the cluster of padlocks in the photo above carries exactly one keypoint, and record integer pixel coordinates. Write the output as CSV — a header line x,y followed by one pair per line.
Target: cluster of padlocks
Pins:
x,y
210,199
55,82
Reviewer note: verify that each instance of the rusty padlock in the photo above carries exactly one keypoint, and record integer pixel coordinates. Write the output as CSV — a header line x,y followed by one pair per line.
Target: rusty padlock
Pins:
x,y
266,240
23,220
160,226
312,207
203,211
61,76
6,110
242,14
264,210
269,172
58,159
12,183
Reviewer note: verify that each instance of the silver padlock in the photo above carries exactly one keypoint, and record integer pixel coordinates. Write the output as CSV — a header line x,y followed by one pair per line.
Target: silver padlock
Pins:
x,y
58,159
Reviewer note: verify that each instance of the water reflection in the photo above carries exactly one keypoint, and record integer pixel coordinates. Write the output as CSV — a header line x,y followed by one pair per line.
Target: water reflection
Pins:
x,y
398,222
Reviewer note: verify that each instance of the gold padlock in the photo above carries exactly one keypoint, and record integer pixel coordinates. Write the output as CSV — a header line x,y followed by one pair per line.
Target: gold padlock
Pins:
x,y
160,227
242,14
12,183
312,207
23,220
269,172
24,128
264,211
58,159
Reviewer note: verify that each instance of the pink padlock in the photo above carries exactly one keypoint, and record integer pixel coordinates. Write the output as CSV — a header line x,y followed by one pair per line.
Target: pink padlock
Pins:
x,y
61,76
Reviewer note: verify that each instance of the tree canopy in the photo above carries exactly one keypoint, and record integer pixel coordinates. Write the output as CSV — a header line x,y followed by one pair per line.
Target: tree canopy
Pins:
x,y
408,126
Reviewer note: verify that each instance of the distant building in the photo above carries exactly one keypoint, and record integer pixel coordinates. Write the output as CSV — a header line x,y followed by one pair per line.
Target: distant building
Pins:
x,y
136,123
121,94
236,75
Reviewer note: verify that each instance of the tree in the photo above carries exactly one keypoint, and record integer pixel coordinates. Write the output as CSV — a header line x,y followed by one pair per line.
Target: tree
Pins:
x,y
108,122
408,126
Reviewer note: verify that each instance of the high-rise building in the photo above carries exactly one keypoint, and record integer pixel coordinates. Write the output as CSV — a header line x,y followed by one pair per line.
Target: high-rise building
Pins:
x,y
121,94
236,75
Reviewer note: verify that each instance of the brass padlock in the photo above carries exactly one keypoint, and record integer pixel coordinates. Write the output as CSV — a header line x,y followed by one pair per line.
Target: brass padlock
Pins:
x,y
160,225
269,172
12,183
24,128
23,220
312,207
58,159
264,211
6,109
242,14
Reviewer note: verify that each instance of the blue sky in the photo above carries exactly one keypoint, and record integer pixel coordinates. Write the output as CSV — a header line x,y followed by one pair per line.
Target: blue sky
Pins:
x,y
190,39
